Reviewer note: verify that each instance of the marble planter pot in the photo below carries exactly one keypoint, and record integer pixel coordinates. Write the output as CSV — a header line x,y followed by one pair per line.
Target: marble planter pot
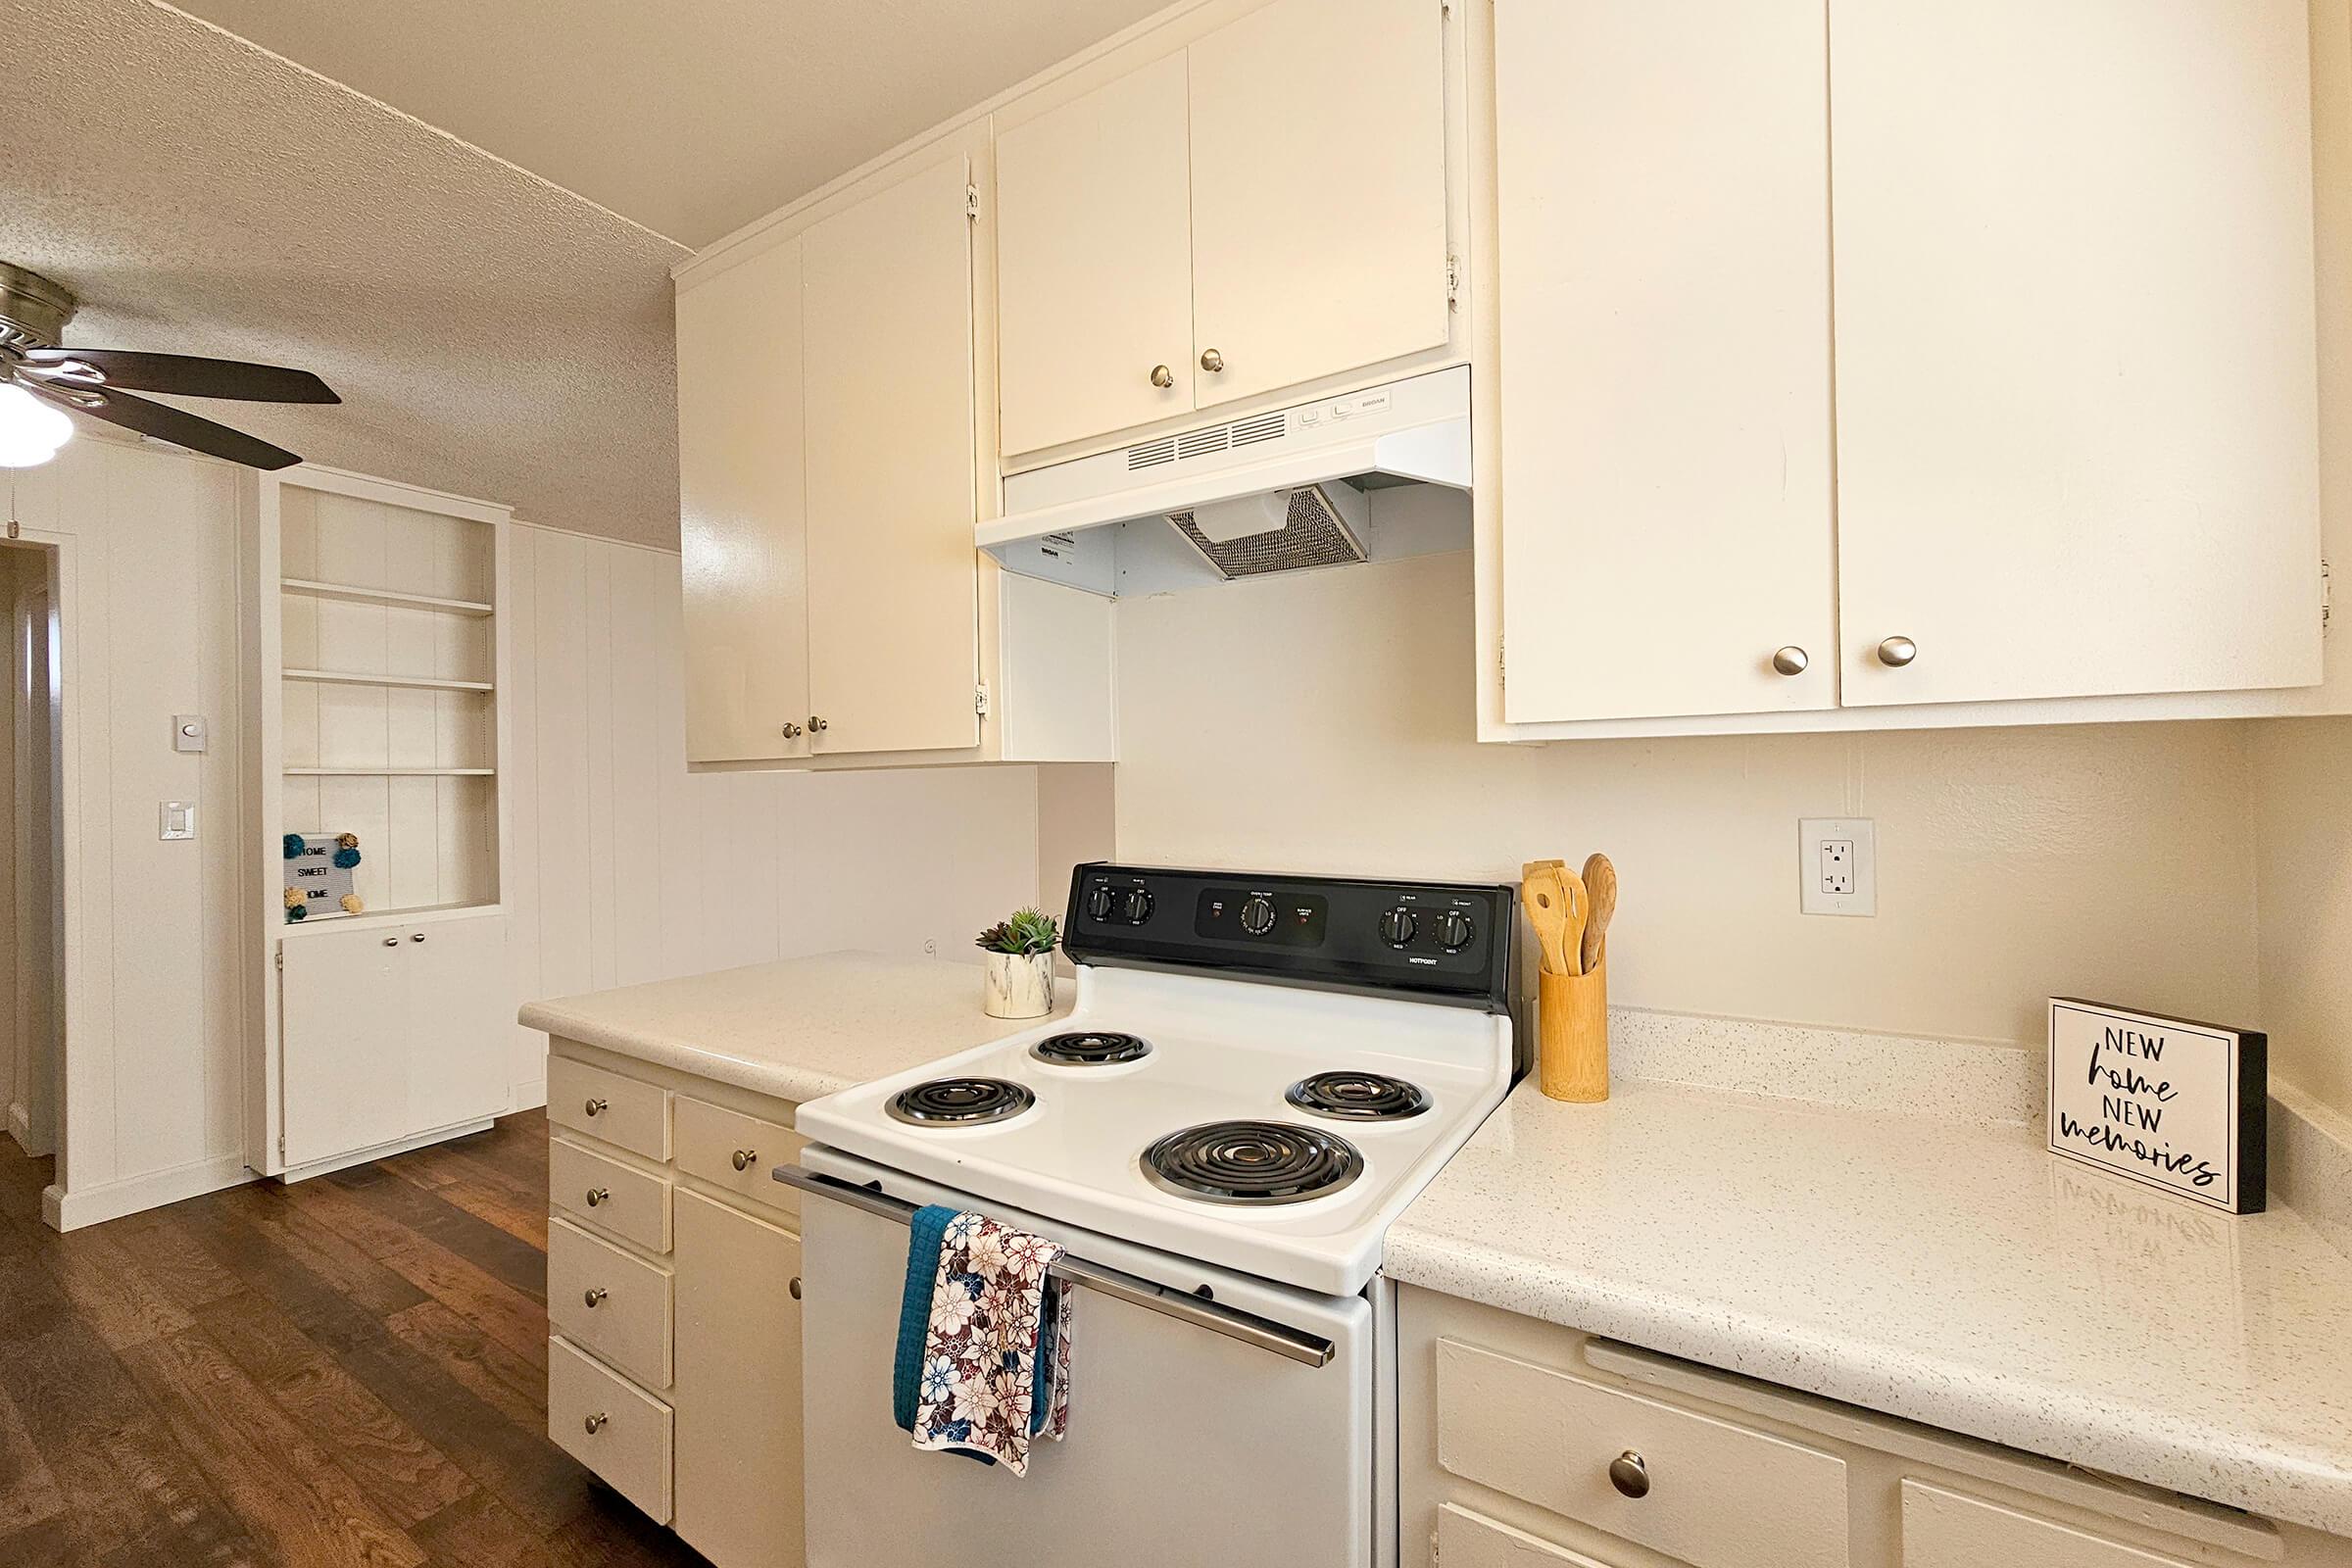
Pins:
x,y
1017,985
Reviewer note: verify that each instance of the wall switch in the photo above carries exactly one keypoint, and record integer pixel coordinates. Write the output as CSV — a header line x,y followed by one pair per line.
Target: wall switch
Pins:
x,y
189,732
176,820
1837,866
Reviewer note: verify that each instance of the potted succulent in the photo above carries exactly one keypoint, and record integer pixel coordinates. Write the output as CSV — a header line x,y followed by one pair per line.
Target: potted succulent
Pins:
x,y
1019,982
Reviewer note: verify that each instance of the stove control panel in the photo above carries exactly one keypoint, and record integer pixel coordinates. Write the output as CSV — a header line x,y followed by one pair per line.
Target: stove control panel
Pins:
x,y
1438,941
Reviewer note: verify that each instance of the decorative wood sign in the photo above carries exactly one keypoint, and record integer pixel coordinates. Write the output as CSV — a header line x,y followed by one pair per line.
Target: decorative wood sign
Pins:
x,y
2180,1107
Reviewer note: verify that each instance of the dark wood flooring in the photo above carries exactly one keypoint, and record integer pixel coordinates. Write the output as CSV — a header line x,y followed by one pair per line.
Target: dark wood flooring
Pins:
x,y
352,1370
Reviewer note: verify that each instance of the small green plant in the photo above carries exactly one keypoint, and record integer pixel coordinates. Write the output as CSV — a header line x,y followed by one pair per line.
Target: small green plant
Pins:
x,y
1028,932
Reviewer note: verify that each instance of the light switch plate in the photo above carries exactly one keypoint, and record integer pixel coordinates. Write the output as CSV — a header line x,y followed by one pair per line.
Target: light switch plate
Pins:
x,y
1837,866
176,820
189,732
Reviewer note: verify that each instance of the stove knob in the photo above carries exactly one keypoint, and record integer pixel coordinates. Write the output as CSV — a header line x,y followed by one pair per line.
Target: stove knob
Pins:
x,y
1136,907
1453,930
1396,927
1100,902
1258,915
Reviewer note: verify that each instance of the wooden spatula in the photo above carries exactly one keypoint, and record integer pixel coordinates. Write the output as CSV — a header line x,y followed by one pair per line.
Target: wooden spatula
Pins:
x,y
1600,885
1552,897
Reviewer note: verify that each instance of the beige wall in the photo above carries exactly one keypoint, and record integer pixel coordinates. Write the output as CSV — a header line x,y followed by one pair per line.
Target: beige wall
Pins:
x,y
1322,722
2303,779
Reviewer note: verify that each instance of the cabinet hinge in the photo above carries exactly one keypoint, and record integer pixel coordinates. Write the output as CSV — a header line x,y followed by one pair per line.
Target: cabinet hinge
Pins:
x,y
971,201
1503,664
1453,282
12,531
980,698
282,960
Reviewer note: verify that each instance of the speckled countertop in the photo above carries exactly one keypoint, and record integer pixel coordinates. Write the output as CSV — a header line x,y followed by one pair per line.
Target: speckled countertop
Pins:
x,y
1953,1273
796,1029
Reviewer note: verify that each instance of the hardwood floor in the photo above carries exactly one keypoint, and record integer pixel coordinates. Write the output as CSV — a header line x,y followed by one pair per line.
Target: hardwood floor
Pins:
x,y
351,1370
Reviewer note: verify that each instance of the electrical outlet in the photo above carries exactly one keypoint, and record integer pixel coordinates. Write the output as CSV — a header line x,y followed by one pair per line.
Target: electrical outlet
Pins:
x,y
1837,866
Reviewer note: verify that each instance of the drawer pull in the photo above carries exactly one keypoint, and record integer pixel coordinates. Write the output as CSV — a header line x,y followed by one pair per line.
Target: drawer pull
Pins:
x,y
744,1159
595,1423
596,1107
1629,1475
794,1287
598,1195
592,1296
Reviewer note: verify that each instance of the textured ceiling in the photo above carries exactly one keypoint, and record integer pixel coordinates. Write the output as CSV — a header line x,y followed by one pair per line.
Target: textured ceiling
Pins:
x,y
692,116
490,333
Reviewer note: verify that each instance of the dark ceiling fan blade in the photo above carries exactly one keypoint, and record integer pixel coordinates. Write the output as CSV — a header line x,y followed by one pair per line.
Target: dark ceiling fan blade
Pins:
x,y
185,374
174,425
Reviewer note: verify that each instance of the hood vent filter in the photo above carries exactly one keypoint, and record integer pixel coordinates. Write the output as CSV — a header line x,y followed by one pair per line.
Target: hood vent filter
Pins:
x,y
1316,530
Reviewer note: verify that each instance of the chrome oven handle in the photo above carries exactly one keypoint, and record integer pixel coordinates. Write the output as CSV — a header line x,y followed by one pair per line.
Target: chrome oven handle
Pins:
x,y
1248,1328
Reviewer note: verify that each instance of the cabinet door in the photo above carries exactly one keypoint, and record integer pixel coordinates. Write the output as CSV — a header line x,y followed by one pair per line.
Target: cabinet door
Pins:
x,y
457,1020
2077,426
1094,262
1947,1530
892,571
1318,150
344,1074
1667,523
742,510
737,1387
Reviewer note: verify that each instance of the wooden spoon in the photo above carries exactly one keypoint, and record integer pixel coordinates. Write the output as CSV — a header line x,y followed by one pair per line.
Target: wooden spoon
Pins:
x,y
1600,883
1551,897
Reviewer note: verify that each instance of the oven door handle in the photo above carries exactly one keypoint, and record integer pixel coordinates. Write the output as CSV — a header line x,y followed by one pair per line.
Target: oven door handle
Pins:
x,y
1247,1327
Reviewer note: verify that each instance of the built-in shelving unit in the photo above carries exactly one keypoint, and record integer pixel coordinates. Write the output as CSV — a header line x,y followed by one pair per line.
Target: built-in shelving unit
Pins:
x,y
388,773
345,677
383,596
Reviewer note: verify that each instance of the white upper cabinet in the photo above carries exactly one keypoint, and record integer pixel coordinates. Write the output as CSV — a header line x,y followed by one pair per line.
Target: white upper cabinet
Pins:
x,y
743,513
2076,423
892,465
1262,208
1318,134
1667,518
1093,255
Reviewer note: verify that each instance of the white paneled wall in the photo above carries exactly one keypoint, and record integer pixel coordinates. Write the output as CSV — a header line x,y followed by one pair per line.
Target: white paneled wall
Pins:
x,y
629,869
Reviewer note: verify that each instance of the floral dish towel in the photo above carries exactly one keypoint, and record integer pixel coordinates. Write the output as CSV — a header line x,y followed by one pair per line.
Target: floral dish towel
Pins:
x,y
984,1339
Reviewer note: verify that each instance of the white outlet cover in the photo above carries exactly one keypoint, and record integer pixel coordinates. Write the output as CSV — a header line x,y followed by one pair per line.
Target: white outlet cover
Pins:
x,y
1813,836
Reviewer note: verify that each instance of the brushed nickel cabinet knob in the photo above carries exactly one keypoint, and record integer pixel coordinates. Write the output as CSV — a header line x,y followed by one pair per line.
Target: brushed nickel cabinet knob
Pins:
x,y
792,732
1896,651
1162,377
1211,360
1629,1475
794,1287
1791,661
744,1159
596,1107
595,1423
391,942
598,1195
816,725
593,1295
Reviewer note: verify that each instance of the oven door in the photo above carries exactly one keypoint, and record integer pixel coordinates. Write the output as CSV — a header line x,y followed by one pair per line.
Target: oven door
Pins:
x,y
1187,1446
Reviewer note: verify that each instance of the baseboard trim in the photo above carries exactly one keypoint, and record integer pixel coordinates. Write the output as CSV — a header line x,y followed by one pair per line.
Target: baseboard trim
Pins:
x,y
528,1095
337,1162
94,1206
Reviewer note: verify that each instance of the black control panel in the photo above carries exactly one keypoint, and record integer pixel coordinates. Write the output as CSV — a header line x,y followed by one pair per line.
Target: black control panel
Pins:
x,y
1437,941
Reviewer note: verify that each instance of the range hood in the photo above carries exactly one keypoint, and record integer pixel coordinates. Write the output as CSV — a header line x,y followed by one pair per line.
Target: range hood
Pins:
x,y
1278,491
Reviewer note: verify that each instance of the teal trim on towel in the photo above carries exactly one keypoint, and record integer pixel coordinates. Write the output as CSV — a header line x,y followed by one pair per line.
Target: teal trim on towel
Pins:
x,y
925,1231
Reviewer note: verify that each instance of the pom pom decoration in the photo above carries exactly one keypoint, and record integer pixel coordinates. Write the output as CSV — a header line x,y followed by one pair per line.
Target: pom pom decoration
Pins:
x,y
295,899
347,841
293,845
347,858
352,904
297,912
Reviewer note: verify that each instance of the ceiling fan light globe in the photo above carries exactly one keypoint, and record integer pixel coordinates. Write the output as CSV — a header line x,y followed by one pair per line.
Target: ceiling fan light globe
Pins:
x,y
26,422
17,453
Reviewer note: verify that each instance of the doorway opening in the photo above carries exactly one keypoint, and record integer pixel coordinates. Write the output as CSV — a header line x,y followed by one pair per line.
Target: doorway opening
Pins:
x,y
32,952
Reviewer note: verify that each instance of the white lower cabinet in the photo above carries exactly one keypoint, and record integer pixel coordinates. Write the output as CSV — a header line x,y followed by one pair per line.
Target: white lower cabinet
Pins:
x,y
674,1292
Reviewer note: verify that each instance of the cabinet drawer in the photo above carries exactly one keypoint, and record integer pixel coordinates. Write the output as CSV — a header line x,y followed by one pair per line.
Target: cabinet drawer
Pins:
x,y
1949,1530
609,1425
1718,1496
616,1305
710,1139
1467,1540
606,1106
606,1195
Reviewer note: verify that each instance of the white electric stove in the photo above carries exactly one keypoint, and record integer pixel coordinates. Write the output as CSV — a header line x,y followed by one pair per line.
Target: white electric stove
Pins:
x,y
1260,1074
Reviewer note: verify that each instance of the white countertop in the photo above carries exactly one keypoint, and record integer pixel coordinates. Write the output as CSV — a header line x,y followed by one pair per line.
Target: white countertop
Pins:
x,y
796,1029
1955,1274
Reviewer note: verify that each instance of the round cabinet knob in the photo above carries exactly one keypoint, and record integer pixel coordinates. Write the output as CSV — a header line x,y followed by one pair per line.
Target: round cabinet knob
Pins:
x,y
1896,651
794,1288
1162,377
816,725
598,1195
595,1423
744,1159
1629,1475
1136,907
416,935
792,732
593,1295
391,942
1100,902
1396,927
596,1107
1455,930
1258,915
1791,661
1211,360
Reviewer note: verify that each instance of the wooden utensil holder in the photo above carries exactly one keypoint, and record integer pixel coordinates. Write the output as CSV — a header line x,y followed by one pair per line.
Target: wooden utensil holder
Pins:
x,y
1571,1035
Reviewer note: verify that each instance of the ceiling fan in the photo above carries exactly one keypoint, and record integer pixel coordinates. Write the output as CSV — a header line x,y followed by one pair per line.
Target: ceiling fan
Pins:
x,y
38,378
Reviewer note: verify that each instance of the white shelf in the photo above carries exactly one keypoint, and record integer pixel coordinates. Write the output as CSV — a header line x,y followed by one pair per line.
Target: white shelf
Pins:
x,y
374,919
382,596
391,772
345,677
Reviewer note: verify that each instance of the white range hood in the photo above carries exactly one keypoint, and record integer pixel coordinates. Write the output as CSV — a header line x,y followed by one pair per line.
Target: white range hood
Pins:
x,y
1280,490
